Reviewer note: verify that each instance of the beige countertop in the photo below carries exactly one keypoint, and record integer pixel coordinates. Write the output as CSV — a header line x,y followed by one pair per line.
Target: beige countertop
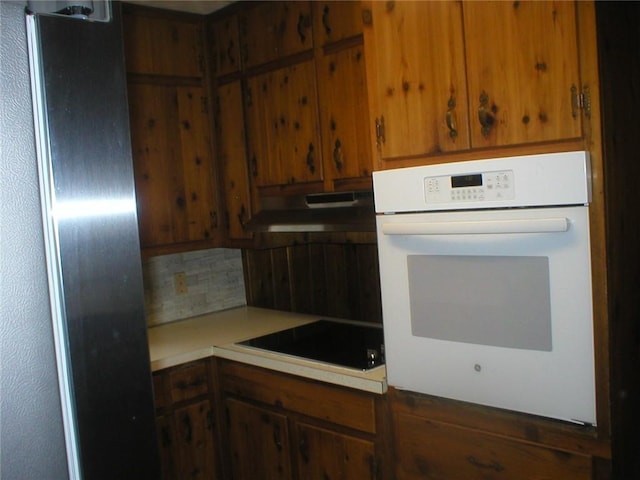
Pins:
x,y
216,334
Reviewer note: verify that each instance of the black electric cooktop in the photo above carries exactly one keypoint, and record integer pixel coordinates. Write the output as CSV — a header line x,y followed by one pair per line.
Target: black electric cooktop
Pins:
x,y
344,344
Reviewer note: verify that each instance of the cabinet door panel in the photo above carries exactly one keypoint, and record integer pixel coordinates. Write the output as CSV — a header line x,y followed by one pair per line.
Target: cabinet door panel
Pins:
x,y
273,30
194,441
160,46
173,164
433,450
325,454
259,442
166,441
416,75
282,119
524,57
225,45
232,159
336,20
344,115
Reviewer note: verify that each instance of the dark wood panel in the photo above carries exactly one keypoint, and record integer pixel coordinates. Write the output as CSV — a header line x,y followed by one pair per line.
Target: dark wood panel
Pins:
x,y
618,40
330,279
258,278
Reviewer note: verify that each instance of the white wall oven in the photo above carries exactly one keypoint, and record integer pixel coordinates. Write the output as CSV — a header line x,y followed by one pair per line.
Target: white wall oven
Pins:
x,y
486,282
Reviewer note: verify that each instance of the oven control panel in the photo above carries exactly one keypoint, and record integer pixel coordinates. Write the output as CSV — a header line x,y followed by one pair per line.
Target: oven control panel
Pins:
x,y
470,188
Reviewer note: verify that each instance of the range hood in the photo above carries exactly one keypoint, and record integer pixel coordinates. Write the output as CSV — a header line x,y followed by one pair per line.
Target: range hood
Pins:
x,y
323,212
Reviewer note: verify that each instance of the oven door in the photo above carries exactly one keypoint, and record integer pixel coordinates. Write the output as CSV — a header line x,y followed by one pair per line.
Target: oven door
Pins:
x,y
491,307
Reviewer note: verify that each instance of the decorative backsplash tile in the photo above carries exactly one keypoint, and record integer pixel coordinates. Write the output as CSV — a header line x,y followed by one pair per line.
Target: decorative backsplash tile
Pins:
x,y
214,282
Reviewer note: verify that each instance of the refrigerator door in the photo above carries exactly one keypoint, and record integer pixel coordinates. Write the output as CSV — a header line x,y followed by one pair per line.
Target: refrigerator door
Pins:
x,y
94,266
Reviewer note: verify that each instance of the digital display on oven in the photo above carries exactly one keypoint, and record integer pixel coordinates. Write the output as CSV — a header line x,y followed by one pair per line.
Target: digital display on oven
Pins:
x,y
466,181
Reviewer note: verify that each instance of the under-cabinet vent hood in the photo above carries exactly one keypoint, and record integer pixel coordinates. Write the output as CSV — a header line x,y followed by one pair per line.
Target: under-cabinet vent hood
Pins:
x,y
324,212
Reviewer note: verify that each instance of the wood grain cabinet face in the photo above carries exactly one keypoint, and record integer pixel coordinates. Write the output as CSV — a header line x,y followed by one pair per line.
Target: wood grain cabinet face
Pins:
x,y
185,423
173,165
325,454
336,20
431,450
273,30
232,159
259,442
281,426
170,130
518,60
162,46
344,116
225,46
523,58
282,121
416,74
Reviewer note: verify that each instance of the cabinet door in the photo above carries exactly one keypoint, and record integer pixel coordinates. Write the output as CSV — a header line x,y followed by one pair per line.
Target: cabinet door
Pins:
x,y
161,46
326,454
173,164
169,457
344,116
273,30
232,159
259,442
282,122
416,77
336,20
194,441
522,60
427,449
225,45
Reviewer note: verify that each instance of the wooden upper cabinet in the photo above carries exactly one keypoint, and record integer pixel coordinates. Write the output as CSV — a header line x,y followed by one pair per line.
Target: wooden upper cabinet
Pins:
x,y
454,76
344,116
232,159
173,166
225,46
336,20
273,30
522,61
416,77
162,46
282,118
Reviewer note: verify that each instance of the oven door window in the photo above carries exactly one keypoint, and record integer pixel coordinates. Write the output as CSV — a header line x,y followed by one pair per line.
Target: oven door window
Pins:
x,y
501,301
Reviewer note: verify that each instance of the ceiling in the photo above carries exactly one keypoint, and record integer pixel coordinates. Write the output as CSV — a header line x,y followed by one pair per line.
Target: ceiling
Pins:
x,y
202,7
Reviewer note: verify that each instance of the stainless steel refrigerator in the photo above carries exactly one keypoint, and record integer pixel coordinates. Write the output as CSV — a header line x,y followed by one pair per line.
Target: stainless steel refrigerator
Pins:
x,y
91,241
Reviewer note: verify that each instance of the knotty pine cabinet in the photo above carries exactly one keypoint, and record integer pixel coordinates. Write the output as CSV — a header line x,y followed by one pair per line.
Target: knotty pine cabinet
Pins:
x,y
305,99
171,131
456,76
232,159
273,30
186,422
282,123
285,427
436,438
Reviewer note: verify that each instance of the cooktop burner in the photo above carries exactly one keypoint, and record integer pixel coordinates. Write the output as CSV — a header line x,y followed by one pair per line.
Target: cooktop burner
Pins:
x,y
344,344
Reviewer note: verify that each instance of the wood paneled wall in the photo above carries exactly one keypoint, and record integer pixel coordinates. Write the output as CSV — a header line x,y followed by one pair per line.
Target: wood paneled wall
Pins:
x,y
327,279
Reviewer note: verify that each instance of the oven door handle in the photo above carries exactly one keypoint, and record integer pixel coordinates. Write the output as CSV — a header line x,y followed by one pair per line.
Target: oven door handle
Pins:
x,y
524,225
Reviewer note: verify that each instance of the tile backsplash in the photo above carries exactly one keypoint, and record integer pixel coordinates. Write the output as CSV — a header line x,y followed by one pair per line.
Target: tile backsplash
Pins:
x,y
214,280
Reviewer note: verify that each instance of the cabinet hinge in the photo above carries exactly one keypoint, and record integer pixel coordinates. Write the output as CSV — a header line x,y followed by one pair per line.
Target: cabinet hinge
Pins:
x,y
580,100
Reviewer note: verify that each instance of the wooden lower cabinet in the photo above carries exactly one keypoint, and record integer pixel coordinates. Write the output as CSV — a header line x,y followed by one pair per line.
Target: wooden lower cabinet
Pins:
x,y
433,450
322,454
185,421
284,427
258,441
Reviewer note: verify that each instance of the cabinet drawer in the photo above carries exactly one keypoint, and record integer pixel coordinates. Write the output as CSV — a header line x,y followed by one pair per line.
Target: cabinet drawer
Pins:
x,y
429,449
188,381
351,409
